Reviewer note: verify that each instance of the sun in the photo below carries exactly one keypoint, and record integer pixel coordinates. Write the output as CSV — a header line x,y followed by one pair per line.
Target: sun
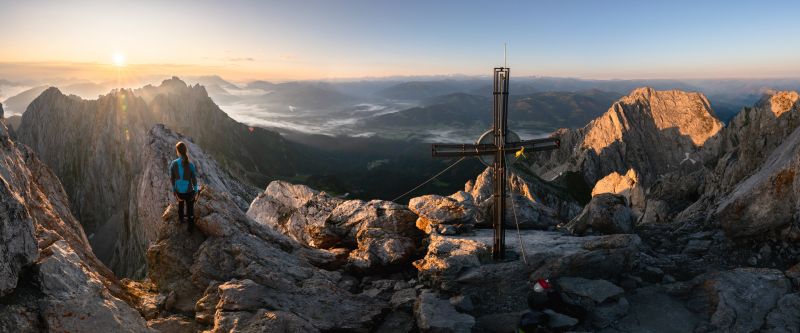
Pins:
x,y
118,59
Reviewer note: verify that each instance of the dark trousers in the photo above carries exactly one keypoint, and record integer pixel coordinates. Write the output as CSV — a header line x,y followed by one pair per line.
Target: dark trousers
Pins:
x,y
186,207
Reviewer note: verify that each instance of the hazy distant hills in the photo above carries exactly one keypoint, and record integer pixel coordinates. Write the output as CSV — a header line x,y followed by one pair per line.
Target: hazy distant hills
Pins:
x,y
18,103
534,112
297,94
420,90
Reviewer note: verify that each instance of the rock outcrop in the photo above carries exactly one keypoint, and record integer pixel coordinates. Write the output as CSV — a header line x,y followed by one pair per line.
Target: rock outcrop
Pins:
x,y
766,201
151,195
750,138
236,274
52,282
533,204
628,186
606,214
373,235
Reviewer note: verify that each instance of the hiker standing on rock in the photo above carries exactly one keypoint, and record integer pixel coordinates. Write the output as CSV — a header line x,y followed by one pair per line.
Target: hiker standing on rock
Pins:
x,y
183,177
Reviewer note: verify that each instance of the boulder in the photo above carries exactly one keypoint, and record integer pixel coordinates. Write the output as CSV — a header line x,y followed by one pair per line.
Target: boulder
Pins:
x,y
626,185
296,211
436,213
606,214
587,293
738,300
376,234
434,314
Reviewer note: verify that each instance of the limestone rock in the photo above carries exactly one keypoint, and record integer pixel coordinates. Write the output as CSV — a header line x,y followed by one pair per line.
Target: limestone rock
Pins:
x,y
77,302
296,211
379,233
17,242
537,204
151,195
463,265
605,214
751,137
435,212
626,185
254,274
587,293
434,314
653,132
742,156
765,201
740,299
67,284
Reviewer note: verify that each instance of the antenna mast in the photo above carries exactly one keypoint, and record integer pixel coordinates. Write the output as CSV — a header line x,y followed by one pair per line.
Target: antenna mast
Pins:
x,y
505,56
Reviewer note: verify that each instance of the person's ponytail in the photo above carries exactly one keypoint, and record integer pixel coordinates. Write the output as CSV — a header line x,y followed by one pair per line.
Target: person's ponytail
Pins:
x,y
183,152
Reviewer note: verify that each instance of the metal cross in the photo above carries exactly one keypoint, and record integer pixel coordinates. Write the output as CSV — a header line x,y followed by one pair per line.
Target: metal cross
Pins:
x,y
500,148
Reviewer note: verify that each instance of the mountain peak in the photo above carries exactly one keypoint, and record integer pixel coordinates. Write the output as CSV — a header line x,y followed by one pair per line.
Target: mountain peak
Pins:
x,y
782,101
687,112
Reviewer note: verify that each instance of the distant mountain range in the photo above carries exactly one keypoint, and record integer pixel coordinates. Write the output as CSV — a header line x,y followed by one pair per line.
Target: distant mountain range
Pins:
x,y
542,111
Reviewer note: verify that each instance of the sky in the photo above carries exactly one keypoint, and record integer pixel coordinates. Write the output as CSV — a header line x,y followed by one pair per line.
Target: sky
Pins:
x,y
325,39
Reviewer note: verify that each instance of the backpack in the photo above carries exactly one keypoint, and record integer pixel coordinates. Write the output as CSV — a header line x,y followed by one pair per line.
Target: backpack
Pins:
x,y
182,185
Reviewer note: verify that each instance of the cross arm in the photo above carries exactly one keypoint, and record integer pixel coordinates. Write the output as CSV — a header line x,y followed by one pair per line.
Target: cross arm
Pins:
x,y
458,149
536,144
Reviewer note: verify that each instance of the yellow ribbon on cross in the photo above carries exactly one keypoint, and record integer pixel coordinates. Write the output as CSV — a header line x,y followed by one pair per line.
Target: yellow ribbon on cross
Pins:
x,y
521,152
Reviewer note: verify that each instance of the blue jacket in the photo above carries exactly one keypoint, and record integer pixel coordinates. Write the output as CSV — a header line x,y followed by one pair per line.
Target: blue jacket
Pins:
x,y
175,174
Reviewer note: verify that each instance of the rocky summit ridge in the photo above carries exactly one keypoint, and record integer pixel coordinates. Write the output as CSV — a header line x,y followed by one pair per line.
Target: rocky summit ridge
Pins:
x,y
657,218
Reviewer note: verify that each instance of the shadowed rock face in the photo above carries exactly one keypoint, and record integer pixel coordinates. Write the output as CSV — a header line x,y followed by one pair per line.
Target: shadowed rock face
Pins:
x,y
740,299
52,282
752,136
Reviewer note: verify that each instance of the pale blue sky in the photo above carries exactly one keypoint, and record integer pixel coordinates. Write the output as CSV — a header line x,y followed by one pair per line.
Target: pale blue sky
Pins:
x,y
324,39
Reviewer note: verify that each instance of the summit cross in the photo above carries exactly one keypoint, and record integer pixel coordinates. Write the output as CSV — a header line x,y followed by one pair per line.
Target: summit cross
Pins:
x,y
500,147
